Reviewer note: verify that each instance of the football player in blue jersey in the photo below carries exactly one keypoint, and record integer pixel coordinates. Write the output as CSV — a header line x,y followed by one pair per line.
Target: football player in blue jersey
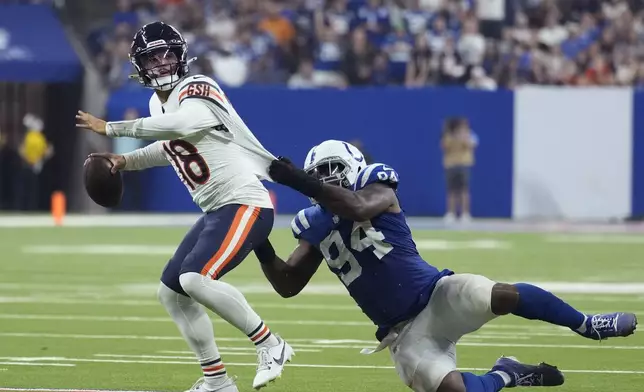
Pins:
x,y
357,225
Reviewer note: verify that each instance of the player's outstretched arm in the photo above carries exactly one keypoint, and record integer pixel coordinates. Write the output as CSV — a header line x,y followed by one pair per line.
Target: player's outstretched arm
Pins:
x,y
289,277
362,205
143,158
139,159
359,206
192,117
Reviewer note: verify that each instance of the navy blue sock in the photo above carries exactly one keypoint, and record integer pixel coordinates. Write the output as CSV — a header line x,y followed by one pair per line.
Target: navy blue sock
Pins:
x,y
490,382
538,304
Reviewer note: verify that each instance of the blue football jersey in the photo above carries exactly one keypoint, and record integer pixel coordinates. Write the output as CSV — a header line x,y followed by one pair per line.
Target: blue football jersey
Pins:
x,y
376,260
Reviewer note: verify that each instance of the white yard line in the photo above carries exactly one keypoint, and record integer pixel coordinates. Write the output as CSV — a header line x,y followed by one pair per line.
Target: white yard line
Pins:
x,y
107,249
252,350
11,363
309,342
329,323
146,291
57,299
186,357
283,221
63,390
156,250
601,239
535,330
296,365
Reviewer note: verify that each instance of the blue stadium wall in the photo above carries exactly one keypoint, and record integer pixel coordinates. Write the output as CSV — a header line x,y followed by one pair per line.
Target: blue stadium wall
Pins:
x,y
526,161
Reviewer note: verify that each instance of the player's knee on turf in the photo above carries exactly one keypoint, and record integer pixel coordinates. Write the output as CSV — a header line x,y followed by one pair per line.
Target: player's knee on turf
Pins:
x,y
423,381
505,298
423,364
453,382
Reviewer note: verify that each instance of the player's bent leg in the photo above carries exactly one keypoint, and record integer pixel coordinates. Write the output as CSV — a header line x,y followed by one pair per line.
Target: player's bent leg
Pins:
x,y
490,382
424,357
196,328
425,350
453,382
507,372
462,303
227,238
428,364
172,270
422,362
535,303
230,304
191,319
230,233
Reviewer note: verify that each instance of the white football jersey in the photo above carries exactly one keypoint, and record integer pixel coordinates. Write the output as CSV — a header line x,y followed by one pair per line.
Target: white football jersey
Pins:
x,y
221,164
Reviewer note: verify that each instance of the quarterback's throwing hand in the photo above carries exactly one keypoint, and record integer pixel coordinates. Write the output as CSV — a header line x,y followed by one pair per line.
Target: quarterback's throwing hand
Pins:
x,y
87,121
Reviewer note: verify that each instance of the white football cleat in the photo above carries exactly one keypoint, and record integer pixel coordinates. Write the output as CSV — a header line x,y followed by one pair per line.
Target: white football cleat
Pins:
x,y
271,361
228,385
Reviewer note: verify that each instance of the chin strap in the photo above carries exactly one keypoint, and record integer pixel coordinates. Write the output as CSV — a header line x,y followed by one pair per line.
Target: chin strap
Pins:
x,y
136,76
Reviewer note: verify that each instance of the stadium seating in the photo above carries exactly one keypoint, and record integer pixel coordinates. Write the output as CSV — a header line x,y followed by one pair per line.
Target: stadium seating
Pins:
x,y
340,43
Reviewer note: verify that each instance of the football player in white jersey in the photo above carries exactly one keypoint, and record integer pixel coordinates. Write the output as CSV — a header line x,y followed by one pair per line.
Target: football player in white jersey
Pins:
x,y
222,164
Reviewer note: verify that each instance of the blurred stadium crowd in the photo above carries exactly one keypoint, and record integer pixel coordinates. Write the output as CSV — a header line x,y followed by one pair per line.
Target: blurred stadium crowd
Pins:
x,y
485,44
337,43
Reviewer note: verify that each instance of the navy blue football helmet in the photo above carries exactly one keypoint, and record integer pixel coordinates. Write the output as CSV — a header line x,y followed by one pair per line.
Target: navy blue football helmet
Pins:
x,y
159,55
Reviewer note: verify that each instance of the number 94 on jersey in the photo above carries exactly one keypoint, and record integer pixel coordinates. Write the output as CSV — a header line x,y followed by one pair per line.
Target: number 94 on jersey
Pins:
x,y
365,241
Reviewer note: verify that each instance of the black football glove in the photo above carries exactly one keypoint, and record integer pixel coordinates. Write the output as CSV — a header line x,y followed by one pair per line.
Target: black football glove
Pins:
x,y
284,172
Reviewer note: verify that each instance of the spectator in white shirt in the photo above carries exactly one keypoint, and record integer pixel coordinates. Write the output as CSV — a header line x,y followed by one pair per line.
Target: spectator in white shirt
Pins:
x,y
552,34
471,45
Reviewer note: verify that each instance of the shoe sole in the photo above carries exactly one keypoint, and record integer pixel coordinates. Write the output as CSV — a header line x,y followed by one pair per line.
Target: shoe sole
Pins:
x,y
633,326
630,331
288,354
557,377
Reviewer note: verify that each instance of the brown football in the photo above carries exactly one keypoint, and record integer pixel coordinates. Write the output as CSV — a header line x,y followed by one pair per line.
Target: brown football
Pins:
x,y
105,188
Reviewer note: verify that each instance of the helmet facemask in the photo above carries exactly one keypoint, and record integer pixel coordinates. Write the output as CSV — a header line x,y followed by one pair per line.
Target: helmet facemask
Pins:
x,y
161,67
331,171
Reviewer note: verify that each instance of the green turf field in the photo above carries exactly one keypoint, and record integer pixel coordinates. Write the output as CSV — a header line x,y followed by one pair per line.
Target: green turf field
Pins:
x,y
78,310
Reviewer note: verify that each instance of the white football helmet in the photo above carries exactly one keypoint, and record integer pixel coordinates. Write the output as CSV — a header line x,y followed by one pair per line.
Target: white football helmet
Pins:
x,y
335,162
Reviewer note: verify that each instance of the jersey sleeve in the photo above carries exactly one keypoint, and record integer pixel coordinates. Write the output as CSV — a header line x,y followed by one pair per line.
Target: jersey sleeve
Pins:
x,y
151,155
312,224
155,105
377,172
203,88
189,119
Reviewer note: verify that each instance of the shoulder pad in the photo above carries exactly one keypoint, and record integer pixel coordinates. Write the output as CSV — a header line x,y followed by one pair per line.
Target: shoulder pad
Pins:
x,y
376,172
312,224
198,78
154,106
204,88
